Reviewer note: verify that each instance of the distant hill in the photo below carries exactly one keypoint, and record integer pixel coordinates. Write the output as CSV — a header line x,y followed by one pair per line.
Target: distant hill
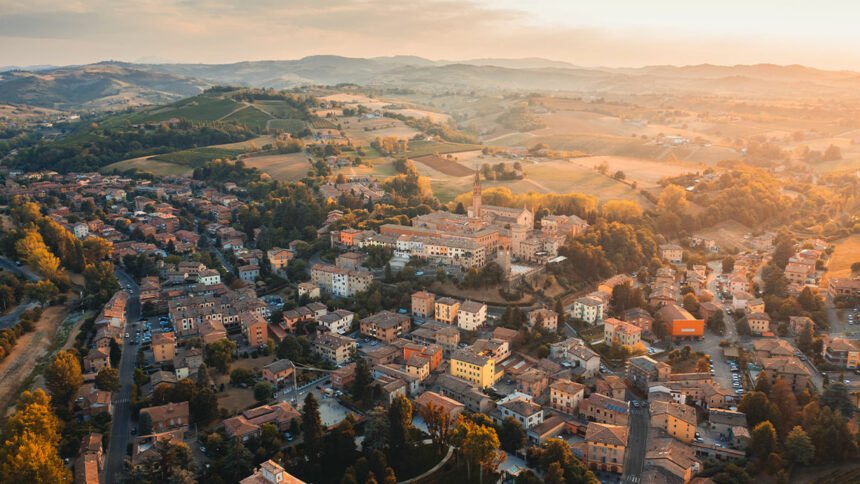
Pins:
x,y
97,86
109,85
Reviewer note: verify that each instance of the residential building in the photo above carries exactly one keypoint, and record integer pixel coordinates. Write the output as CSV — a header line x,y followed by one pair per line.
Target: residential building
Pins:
x,y
603,409
547,318
566,396
312,291
606,446
643,370
163,347
350,260
588,309
255,328
471,315
277,372
470,366
446,310
759,323
678,419
840,352
671,253
464,392
423,304
334,348
619,332
249,273
671,460
340,282
338,321
772,348
279,258
528,413
386,326
169,416
271,473
97,359
640,318
532,382
90,460
841,286
448,405
574,352
790,370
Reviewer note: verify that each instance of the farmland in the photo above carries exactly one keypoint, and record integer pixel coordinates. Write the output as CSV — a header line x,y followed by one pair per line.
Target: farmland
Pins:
x,y
728,234
199,108
279,109
147,164
197,156
292,126
322,123
846,252
251,117
645,172
448,167
423,148
293,166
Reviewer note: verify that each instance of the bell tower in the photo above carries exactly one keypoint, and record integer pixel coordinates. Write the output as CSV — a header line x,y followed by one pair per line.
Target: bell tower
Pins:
x,y
476,196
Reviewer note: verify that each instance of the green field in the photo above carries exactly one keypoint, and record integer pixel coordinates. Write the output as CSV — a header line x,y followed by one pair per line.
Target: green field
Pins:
x,y
251,117
280,109
145,164
424,148
199,108
292,126
197,156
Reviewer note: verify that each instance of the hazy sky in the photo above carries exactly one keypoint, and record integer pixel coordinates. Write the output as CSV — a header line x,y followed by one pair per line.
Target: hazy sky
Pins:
x,y
822,33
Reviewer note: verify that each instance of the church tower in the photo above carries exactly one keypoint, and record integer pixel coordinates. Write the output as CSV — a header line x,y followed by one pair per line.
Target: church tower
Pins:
x,y
476,196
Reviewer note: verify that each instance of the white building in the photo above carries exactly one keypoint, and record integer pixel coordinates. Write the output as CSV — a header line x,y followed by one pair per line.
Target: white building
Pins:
x,y
472,315
588,309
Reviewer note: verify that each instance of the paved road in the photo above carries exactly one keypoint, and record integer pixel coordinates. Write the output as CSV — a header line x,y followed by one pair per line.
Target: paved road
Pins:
x,y
9,265
120,429
637,441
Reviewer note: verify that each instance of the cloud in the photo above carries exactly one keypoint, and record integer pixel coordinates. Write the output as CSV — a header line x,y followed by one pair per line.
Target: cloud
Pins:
x,y
218,31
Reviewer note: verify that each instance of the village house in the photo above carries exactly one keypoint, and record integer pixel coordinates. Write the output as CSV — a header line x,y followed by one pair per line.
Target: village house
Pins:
x,y
271,473
547,318
643,370
423,304
249,273
840,352
163,347
334,348
471,315
446,310
759,323
279,258
640,318
473,367
612,386
448,405
96,359
619,332
790,369
532,382
603,409
386,326
669,460
528,413
277,372
169,416
464,392
338,321
606,446
566,396
678,419
312,291
574,352
671,253
90,460
588,309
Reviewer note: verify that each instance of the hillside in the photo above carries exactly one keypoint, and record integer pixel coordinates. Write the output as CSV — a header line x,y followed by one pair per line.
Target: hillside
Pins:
x,y
109,85
99,86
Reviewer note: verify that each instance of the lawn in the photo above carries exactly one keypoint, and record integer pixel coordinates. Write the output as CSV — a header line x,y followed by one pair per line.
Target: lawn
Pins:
x,y
199,108
293,166
292,126
197,156
845,252
251,117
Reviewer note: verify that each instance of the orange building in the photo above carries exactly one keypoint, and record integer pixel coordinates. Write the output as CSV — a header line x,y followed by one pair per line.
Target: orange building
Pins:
x,y
347,236
431,352
693,328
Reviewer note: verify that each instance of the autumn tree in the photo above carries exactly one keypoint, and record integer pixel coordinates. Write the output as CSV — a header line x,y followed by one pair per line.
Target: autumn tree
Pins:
x,y
673,199
476,443
42,291
763,440
30,439
439,423
702,365
785,400
399,424
63,377
798,446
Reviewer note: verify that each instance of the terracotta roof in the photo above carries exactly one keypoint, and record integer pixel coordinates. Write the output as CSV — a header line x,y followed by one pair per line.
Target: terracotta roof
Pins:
x,y
567,386
606,434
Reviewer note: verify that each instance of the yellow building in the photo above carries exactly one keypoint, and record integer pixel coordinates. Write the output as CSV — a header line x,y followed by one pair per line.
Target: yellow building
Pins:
x,y
446,310
473,367
605,447
677,419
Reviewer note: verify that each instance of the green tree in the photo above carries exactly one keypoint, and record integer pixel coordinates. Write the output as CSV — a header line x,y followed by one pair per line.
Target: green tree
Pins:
x,y
144,424
798,446
262,391
836,396
204,406
728,264
756,406
100,283
399,424
312,426
108,379
115,353
762,383
477,444
512,436
42,291
220,353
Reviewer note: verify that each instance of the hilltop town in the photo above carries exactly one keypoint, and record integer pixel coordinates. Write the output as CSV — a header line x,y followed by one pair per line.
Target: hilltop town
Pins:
x,y
260,331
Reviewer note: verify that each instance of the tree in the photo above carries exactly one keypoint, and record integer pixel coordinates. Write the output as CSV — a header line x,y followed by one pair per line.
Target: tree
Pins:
x,y
763,440
399,424
42,291
756,406
512,436
438,422
63,377
204,406
785,400
203,375
31,436
673,199
262,391
805,338
100,283
702,365
312,426
108,379
220,353
477,444
115,353
728,264
798,446
762,383
361,390
555,474
172,463
836,396
144,424
691,303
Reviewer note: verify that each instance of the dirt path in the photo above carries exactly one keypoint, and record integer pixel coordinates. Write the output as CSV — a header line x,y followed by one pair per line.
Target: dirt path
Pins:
x,y
30,348
539,185
242,106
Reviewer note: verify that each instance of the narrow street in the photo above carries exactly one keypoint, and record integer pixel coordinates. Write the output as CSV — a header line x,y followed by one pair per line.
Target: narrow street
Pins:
x,y
121,427
637,444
